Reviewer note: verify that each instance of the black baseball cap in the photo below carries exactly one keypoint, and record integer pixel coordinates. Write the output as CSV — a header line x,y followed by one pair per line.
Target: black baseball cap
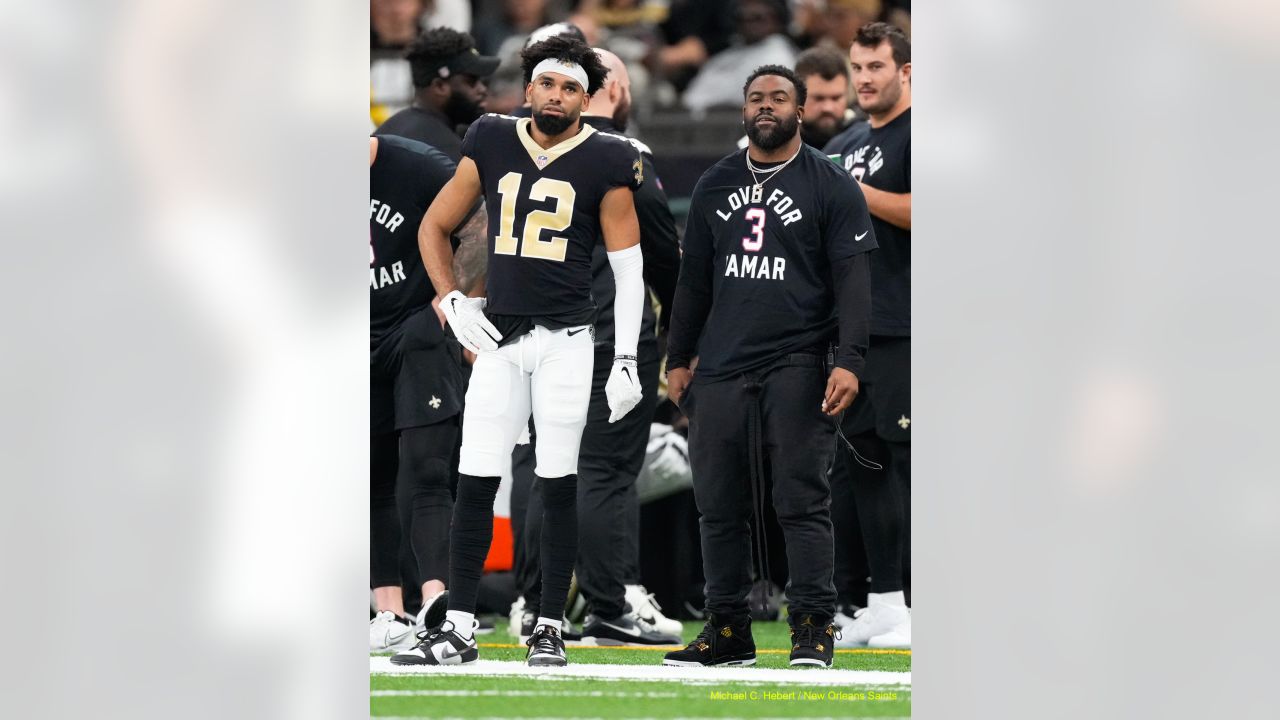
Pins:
x,y
427,62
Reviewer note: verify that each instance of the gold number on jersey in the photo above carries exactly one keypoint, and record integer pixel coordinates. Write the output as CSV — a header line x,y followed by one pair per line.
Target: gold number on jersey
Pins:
x,y
532,244
508,187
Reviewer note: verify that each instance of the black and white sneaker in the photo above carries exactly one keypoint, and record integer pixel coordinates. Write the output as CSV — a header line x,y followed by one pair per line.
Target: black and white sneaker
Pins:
x,y
530,619
626,629
546,648
441,647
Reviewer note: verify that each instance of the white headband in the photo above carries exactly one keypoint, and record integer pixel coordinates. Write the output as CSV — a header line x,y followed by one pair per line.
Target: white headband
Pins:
x,y
562,67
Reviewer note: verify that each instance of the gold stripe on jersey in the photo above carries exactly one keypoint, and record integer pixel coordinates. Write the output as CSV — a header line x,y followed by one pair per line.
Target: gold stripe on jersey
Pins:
x,y
542,157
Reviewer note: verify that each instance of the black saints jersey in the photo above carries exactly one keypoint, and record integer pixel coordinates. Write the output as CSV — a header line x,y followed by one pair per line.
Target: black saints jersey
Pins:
x,y
403,180
771,248
544,218
881,157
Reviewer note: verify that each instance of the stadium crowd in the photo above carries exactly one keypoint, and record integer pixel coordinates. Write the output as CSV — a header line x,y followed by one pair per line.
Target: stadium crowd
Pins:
x,y
436,67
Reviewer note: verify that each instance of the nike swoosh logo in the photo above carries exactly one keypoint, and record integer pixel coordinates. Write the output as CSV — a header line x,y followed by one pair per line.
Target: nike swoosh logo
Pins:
x,y
449,652
627,372
856,238
633,632
571,333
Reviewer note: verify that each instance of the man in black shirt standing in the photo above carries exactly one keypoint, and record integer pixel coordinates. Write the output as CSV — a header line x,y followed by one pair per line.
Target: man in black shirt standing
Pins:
x,y
449,80
774,272
879,423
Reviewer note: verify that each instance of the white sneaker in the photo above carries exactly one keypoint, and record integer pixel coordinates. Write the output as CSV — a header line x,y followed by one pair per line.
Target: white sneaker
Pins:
x,y
898,637
387,632
515,617
648,610
874,620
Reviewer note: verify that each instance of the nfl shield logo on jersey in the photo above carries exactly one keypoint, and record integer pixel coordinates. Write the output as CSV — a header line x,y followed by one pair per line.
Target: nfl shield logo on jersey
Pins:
x,y
542,161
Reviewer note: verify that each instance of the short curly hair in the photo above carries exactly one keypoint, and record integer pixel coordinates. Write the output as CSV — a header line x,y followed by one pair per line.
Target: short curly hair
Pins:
x,y
430,49
802,90
564,47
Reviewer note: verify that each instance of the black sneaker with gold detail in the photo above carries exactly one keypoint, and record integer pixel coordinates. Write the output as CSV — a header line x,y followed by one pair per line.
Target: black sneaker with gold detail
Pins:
x,y
723,641
813,639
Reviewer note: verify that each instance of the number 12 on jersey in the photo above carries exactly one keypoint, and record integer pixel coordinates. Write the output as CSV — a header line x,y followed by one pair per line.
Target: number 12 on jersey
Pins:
x,y
532,244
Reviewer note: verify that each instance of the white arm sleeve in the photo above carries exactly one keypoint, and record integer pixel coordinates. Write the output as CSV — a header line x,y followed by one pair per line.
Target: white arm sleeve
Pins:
x,y
629,298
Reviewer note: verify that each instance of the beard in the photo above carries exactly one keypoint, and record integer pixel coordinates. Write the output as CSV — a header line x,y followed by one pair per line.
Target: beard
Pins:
x,y
775,137
819,133
461,110
553,124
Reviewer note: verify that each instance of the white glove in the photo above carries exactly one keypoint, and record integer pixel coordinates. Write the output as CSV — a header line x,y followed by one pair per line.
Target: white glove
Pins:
x,y
623,388
466,316
670,457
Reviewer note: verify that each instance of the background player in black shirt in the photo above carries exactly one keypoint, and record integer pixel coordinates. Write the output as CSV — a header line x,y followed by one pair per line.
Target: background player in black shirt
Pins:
x,y
879,423
553,186
416,384
612,454
450,81
774,270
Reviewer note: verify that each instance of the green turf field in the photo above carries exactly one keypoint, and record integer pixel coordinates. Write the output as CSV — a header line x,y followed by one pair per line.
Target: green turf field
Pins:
x,y
515,691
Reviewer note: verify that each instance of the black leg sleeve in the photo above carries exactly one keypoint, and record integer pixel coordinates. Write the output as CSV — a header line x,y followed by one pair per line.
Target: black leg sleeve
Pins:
x,y
559,541
470,538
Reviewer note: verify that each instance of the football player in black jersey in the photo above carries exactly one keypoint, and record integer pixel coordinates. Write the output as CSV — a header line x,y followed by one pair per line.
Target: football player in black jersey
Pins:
x,y
553,186
774,272
608,572
416,386
878,425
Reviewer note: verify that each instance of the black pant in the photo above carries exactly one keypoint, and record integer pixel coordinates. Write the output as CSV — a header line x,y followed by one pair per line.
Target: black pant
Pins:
x,y
410,501
424,498
609,460
878,425
797,443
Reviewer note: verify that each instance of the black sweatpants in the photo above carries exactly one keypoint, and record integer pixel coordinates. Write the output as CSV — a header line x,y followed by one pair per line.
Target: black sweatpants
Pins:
x,y
797,442
609,460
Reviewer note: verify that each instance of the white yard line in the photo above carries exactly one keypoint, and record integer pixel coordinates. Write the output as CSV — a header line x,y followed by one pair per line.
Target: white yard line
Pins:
x,y
381,665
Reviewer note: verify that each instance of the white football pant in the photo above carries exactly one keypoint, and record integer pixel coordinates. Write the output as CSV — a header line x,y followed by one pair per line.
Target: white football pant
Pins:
x,y
548,371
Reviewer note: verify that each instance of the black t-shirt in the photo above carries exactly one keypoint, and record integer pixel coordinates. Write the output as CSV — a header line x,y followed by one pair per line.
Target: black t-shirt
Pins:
x,y
544,218
426,126
770,255
403,180
881,158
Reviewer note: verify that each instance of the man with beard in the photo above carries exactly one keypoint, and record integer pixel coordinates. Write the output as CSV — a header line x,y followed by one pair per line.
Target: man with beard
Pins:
x,y
774,272
825,72
608,571
879,424
449,80
553,186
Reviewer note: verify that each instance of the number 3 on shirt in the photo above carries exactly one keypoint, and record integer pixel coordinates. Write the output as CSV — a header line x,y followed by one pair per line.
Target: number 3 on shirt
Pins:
x,y
756,215
532,245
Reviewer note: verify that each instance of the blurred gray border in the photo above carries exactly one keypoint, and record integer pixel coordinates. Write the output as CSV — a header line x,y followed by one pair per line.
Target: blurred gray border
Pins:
x,y
1095,499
